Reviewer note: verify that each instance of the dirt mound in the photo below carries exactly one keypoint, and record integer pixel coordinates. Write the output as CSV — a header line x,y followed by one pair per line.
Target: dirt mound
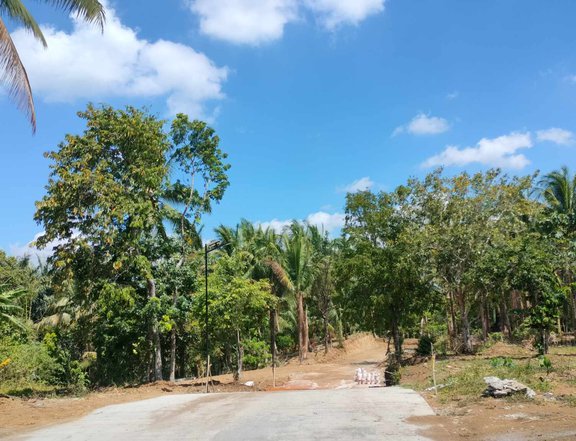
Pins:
x,y
501,349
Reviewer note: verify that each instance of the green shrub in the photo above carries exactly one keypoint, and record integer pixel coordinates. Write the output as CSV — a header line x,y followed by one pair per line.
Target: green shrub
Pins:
x,y
425,345
256,354
68,373
502,362
544,362
285,343
25,367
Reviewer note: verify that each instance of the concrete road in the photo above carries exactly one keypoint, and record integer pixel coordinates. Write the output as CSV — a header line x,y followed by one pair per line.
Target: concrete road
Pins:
x,y
345,414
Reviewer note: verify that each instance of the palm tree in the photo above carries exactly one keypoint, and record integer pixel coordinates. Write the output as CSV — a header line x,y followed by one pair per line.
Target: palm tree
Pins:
x,y
298,260
12,71
261,248
558,189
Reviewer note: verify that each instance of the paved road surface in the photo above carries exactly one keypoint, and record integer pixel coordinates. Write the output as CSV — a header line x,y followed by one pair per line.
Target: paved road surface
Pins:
x,y
345,414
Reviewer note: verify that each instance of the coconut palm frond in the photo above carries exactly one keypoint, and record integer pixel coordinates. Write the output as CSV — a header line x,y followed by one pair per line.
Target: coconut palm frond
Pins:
x,y
91,11
559,190
279,274
18,12
13,74
61,319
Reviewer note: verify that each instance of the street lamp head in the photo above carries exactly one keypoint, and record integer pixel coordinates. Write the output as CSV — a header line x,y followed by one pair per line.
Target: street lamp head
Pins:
x,y
213,245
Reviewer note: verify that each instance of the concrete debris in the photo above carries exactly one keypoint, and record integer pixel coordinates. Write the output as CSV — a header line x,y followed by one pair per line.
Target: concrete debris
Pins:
x,y
437,387
498,388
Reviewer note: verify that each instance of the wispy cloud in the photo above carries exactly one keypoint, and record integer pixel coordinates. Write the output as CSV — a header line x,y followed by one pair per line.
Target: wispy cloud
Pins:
x,y
251,22
423,124
334,13
361,184
497,152
556,135
329,222
452,95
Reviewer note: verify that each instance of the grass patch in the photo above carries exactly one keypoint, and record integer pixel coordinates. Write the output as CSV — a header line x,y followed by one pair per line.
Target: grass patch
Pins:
x,y
464,379
28,390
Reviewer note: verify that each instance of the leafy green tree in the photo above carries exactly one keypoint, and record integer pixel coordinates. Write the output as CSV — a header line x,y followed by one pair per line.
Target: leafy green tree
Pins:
x,y
110,194
12,71
382,270
199,163
535,266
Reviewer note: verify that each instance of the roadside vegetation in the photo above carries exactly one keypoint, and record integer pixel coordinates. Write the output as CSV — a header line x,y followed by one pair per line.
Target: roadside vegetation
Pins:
x,y
459,262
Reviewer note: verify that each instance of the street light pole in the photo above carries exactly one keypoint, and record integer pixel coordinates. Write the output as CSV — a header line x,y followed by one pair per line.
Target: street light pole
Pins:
x,y
206,318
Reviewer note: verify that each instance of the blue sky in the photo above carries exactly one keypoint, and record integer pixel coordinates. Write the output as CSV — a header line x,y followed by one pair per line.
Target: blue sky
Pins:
x,y
310,97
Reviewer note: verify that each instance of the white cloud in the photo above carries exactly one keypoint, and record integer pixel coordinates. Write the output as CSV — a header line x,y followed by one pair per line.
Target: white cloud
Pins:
x,y
30,250
255,22
276,224
334,13
423,124
244,21
88,64
497,152
361,184
556,135
327,221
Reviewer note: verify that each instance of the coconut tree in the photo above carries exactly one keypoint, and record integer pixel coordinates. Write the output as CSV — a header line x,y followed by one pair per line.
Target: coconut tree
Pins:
x,y
558,189
12,71
260,247
298,254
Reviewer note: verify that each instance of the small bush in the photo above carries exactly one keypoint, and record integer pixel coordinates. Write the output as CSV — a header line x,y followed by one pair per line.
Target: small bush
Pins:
x,y
25,366
256,354
502,362
544,362
425,345
285,343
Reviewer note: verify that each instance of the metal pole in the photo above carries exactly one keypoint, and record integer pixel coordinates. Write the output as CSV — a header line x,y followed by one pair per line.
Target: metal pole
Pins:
x,y
206,318
273,344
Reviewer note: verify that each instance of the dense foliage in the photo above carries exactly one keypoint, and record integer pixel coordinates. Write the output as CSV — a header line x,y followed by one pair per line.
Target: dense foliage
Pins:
x,y
451,259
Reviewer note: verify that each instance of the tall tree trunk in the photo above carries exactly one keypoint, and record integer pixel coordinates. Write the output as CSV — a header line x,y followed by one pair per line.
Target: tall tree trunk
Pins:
x,y
306,330
273,343
484,316
239,356
451,317
504,319
465,323
173,342
326,336
151,287
397,341
302,341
